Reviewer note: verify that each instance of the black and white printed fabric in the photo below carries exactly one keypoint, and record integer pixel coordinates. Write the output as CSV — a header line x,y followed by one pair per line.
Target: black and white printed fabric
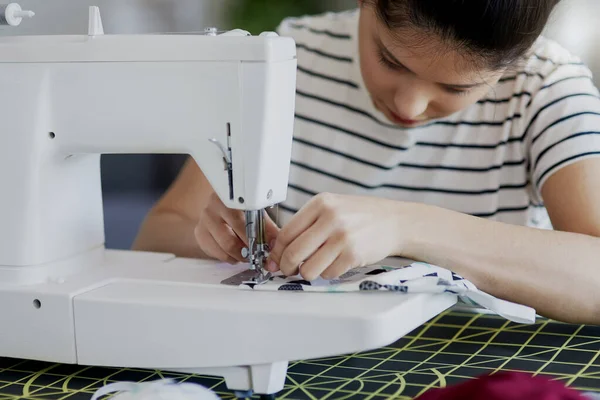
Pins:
x,y
411,279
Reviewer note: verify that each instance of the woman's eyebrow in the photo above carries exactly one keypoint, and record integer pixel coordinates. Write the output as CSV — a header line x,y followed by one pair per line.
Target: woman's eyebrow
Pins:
x,y
391,57
394,60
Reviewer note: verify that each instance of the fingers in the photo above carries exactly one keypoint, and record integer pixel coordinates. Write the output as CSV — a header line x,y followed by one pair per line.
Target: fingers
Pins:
x,y
209,246
222,231
234,218
224,236
288,257
237,222
321,260
339,267
271,230
300,222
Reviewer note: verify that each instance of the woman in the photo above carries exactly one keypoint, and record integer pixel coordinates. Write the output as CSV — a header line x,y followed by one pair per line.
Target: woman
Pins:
x,y
443,131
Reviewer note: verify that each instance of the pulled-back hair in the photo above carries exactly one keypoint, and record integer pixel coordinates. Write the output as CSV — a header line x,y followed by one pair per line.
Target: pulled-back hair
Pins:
x,y
495,32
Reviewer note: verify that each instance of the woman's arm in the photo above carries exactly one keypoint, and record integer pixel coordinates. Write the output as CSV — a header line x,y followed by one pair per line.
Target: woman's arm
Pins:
x,y
169,226
556,272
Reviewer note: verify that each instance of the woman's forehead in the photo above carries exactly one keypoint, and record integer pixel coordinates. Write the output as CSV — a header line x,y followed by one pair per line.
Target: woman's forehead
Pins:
x,y
431,58
425,54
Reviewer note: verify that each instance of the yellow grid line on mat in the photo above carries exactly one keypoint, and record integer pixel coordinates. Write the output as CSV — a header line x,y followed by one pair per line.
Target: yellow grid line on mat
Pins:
x,y
452,347
393,353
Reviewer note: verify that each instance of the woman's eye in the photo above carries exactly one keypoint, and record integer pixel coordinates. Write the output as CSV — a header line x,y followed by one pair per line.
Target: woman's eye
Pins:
x,y
383,60
457,92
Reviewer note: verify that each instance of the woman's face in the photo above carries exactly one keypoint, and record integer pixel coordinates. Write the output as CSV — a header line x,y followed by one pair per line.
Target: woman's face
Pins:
x,y
412,78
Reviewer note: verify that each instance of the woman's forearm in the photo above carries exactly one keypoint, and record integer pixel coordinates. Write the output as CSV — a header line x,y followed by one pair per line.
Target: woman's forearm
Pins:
x,y
168,232
557,273
169,226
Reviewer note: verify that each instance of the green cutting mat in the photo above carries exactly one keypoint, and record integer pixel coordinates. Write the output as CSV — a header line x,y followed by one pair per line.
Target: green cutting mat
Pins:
x,y
449,349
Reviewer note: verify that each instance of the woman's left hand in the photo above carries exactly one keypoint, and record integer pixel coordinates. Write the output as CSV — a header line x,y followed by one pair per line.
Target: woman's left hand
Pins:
x,y
334,233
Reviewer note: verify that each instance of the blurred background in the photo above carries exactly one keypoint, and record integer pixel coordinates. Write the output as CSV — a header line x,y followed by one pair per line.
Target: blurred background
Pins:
x,y
132,183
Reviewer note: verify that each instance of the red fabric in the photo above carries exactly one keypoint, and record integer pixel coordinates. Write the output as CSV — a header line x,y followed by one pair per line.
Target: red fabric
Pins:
x,y
505,386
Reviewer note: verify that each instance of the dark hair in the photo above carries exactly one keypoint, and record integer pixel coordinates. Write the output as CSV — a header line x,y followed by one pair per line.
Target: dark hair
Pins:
x,y
496,32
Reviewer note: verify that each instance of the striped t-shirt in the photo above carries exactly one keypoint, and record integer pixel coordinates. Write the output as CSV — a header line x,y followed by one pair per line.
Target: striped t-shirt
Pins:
x,y
488,160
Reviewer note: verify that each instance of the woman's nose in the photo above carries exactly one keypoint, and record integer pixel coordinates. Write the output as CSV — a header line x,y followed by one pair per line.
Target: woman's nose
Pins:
x,y
410,103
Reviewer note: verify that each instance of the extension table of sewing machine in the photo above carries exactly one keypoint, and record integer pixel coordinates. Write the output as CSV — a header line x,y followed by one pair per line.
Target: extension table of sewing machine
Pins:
x,y
454,346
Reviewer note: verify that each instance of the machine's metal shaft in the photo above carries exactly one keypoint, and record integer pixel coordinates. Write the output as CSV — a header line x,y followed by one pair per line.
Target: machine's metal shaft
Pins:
x,y
258,249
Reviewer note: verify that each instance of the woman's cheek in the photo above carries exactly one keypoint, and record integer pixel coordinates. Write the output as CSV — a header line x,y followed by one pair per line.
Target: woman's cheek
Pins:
x,y
374,75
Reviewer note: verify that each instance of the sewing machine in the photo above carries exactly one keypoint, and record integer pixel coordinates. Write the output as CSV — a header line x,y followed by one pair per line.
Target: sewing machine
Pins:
x,y
227,100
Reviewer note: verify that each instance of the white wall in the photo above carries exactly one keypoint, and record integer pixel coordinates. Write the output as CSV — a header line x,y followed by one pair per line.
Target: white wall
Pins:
x,y
575,23
129,16
119,16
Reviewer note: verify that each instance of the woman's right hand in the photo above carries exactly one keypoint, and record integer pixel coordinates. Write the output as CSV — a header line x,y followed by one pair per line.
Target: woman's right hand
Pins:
x,y
221,231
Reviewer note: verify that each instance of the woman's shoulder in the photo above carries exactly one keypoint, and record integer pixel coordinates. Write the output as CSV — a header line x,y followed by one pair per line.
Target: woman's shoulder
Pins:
x,y
546,62
557,110
547,71
326,49
548,49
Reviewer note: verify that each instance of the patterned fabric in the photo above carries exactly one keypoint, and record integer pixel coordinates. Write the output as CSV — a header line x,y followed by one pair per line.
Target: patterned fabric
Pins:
x,y
413,278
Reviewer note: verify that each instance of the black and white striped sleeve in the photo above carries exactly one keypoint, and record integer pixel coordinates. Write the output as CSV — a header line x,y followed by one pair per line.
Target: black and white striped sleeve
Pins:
x,y
283,29
562,124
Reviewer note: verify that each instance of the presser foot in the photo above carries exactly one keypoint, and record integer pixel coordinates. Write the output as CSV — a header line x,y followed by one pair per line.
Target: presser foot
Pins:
x,y
260,276
249,276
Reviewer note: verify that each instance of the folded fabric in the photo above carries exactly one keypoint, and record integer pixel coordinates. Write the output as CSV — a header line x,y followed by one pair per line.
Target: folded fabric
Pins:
x,y
505,385
413,278
162,389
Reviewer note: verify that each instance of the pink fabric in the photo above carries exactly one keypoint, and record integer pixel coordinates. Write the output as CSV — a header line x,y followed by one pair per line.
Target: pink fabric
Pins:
x,y
505,386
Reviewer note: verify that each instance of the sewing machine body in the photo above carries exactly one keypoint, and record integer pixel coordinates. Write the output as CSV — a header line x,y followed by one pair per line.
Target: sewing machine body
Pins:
x,y
146,310
68,99
64,101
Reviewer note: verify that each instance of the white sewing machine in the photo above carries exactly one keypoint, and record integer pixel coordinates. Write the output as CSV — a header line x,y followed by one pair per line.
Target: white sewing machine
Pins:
x,y
65,100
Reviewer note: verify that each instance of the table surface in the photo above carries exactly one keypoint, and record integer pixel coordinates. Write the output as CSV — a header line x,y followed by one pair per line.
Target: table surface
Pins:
x,y
452,347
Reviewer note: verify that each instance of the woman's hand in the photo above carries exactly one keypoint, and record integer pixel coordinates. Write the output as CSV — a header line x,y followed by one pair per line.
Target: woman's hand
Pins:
x,y
334,233
221,232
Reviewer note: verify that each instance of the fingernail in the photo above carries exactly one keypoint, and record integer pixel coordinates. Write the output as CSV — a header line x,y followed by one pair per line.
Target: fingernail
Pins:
x,y
271,266
272,244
